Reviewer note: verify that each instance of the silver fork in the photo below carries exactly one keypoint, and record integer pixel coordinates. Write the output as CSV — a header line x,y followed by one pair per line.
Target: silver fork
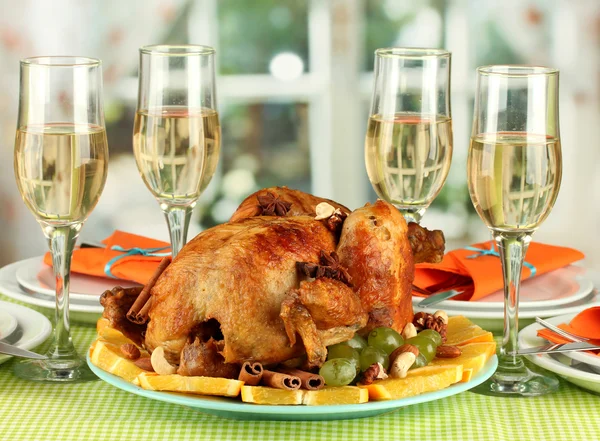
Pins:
x,y
559,331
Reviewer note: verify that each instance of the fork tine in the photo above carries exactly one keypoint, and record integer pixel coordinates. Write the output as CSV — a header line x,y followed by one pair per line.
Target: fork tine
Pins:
x,y
559,331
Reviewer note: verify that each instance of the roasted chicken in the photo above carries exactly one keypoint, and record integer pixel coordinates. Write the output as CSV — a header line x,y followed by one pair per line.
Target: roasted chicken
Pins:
x,y
275,284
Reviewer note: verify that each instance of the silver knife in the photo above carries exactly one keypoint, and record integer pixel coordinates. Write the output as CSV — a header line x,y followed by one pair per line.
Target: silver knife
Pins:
x,y
5,348
552,348
437,298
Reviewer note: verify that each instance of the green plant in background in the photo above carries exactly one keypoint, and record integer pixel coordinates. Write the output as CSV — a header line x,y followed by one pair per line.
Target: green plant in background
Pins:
x,y
253,32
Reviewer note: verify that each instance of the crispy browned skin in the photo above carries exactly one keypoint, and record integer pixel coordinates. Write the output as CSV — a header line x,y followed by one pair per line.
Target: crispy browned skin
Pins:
x,y
322,312
375,249
303,204
427,245
202,359
116,303
238,274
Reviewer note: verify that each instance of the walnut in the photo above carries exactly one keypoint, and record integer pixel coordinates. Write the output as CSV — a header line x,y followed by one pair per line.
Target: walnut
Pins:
x,y
374,372
423,320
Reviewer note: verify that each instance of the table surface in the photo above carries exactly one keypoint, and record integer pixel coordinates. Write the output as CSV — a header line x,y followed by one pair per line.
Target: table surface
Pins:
x,y
97,411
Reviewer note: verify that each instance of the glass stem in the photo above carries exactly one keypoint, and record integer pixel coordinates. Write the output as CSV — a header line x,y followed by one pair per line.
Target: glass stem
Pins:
x,y
178,219
62,241
512,248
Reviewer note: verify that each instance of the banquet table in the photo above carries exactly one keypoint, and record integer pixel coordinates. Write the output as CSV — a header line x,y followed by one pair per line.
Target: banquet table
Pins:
x,y
96,410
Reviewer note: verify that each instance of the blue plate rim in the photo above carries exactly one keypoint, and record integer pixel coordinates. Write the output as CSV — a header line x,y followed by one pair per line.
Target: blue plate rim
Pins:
x,y
228,404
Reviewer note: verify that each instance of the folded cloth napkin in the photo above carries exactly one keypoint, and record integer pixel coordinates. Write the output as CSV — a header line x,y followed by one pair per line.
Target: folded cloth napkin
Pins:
x,y
126,257
477,271
586,324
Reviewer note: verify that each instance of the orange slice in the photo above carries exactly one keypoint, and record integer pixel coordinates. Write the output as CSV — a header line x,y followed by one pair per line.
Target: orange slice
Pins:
x,y
472,359
107,356
336,395
426,380
269,395
189,385
110,334
462,331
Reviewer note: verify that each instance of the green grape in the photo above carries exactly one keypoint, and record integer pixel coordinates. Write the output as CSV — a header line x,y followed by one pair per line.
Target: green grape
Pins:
x,y
433,335
357,342
371,355
425,345
338,372
385,338
342,350
419,362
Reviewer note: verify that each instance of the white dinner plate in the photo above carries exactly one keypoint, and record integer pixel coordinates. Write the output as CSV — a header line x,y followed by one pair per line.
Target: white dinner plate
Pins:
x,y
563,286
32,327
34,275
7,323
80,310
583,357
582,376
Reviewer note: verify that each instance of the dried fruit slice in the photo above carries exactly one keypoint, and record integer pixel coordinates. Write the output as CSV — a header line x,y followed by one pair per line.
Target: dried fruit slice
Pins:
x,y
189,385
110,334
269,395
462,331
473,358
427,380
336,395
107,356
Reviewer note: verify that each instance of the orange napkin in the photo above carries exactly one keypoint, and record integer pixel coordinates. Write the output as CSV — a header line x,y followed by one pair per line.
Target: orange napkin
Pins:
x,y
126,265
586,324
480,276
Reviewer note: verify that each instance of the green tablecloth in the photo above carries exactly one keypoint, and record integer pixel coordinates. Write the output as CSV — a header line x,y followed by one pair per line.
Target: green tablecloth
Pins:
x,y
98,411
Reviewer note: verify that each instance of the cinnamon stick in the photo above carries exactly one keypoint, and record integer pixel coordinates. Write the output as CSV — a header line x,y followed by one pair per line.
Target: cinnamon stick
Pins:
x,y
251,373
138,313
280,381
308,380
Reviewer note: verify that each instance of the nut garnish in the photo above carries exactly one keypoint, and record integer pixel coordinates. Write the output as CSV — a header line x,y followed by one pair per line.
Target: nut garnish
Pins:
x,y
409,331
402,349
423,320
374,372
324,211
401,364
144,363
441,314
447,351
160,364
130,351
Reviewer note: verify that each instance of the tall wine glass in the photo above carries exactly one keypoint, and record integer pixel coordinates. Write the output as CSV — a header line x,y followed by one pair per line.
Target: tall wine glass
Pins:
x,y
61,160
408,147
177,136
514,172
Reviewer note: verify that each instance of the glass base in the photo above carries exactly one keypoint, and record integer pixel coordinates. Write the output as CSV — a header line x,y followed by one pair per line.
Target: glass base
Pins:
x,y
63,370
516,379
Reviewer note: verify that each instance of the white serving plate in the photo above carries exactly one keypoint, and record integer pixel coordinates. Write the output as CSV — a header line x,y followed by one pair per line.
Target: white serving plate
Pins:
x,y
8,324
34,275
555,289
582,377
32,327
80,311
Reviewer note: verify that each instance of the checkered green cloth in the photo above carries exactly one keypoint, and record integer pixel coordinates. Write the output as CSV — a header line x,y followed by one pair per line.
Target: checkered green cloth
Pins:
x,y
97,411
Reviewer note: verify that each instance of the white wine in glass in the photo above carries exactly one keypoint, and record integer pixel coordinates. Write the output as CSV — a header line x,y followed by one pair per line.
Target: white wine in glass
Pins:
x,y
514,173
61,160
408,147
177,135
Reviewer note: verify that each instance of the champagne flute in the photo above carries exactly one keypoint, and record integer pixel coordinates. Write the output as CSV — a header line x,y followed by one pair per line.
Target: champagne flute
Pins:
x,y
176,135
61,160
514,173
408,147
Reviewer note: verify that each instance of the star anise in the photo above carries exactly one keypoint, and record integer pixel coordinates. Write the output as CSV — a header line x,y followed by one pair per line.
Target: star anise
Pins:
x,y
271,205
329,266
